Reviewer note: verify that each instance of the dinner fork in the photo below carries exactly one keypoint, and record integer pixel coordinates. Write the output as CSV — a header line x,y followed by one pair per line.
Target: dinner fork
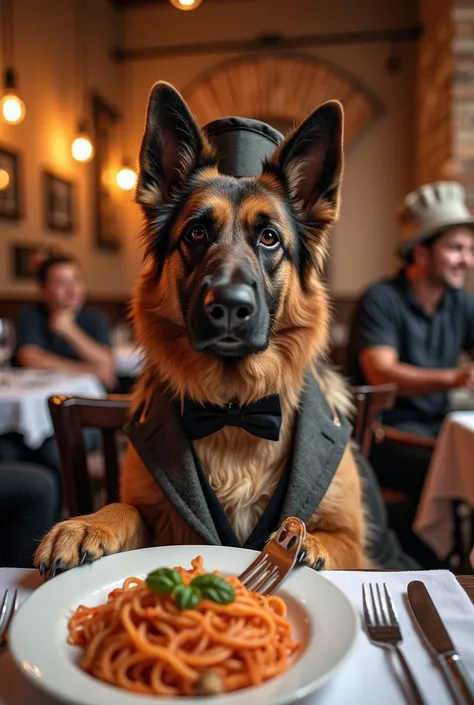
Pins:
x,y
383,628
276,560
8,608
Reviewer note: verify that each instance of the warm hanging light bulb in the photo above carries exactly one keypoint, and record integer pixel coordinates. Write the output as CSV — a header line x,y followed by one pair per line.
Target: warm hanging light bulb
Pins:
x,y
4,179
186,4
82,147
11,106
126,178
13,109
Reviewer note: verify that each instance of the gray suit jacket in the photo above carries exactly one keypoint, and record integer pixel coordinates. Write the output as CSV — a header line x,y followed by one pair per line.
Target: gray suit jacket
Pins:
x,y
320,441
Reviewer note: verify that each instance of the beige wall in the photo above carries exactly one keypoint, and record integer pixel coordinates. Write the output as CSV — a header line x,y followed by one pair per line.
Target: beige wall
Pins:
x,y
45,57
380,166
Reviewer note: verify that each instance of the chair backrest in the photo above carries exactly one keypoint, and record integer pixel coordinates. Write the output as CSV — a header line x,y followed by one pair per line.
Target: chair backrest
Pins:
x,y
370,401
70,416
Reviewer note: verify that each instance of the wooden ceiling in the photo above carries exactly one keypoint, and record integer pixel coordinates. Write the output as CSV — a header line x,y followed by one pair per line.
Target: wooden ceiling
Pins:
x,y
126,4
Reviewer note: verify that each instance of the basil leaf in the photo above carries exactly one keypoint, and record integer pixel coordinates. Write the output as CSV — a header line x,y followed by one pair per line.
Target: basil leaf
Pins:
x,y
187,597
163,581
215,588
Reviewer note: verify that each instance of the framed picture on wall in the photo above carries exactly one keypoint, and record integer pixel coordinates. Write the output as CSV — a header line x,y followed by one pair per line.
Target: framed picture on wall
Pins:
x,y
10,206
59,206
106,122
26,258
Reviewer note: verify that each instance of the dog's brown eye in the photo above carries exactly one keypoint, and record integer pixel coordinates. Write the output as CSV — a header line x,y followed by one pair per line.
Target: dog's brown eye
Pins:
x,y
268,238
196,234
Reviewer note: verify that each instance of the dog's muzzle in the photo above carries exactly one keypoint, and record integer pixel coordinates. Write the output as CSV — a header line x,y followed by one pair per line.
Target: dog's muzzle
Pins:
x,y
229,315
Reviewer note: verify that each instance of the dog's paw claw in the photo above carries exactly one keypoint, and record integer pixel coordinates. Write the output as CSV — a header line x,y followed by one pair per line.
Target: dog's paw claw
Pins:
x,y
56,568
74,542
313,554
85,558
302,556
320,563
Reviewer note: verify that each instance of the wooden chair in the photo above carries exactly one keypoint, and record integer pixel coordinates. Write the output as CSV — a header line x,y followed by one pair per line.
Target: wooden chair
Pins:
x,y
370,401
70,416
388,434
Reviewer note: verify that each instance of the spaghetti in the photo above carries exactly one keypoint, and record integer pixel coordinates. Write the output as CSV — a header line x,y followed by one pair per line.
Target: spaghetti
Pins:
x,y
143,642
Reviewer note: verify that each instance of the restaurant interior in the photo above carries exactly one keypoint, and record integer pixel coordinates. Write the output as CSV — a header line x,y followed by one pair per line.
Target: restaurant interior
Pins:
x,y
236,315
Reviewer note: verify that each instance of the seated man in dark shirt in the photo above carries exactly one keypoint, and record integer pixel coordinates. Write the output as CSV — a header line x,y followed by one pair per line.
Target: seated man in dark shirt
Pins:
x,y
61,334
411,329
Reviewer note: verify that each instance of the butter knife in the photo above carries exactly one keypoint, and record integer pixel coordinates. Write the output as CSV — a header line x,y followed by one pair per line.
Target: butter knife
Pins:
x,y
434,631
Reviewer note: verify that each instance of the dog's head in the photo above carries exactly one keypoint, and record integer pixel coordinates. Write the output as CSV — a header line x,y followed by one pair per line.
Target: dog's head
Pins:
x,y
230,303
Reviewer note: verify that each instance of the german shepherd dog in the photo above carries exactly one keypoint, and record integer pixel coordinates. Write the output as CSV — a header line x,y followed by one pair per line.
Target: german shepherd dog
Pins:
x,y
259,244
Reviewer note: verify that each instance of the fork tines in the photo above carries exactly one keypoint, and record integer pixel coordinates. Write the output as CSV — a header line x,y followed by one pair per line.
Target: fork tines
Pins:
x,y
379,611
8,608
277,558
261,575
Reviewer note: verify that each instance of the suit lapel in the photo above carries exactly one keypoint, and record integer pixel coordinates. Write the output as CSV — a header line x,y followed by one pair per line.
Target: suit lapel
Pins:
x,y
164,448
167,453
320,442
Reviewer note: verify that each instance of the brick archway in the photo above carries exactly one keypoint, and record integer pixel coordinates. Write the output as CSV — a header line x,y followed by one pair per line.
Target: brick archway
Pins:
x,y
281,90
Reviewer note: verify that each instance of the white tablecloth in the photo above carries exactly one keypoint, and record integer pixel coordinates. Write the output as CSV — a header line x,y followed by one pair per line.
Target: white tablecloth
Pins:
x,y
24,400
368,677
128,359
450,476
461,400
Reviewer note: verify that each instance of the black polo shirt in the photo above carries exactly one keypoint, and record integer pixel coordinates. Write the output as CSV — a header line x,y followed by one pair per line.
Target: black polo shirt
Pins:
x,y
389,314
33,329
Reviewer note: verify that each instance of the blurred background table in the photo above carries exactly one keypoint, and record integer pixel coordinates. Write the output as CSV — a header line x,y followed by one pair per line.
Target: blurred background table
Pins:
x,y
24,398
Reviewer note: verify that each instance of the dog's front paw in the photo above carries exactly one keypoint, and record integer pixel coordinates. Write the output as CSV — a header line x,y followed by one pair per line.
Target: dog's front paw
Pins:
x,y
313,554
74,542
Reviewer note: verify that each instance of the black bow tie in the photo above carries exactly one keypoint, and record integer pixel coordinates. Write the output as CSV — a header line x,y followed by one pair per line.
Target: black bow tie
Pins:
x,y
262,418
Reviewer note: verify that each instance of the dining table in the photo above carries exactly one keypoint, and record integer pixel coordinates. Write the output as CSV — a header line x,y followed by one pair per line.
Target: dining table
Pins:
x,y
24,395
450,478
367,673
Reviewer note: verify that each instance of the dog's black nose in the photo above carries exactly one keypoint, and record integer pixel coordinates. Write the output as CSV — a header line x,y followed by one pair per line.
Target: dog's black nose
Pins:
x,y
228,306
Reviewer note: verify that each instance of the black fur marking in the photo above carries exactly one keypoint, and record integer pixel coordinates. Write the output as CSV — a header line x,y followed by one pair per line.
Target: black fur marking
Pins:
x,y
201,216
161,245
160,223
304,258
276,264
186,258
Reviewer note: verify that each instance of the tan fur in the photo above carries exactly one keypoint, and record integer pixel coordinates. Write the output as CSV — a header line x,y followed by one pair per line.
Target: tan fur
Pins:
x,y
242,469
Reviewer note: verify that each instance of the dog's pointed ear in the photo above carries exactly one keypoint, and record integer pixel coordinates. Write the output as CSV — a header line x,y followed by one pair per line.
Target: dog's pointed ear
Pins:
x,y
310,160
172,146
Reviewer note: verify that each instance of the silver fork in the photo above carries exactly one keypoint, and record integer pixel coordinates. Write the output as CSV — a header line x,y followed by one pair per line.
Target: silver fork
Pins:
x,y
7,610
383,628
276,560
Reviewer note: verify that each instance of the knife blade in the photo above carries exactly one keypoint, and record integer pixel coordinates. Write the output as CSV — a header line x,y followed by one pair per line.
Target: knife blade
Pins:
x,y
435,633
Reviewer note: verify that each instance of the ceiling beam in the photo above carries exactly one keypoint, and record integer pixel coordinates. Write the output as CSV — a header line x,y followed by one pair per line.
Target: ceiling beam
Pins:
x,y
270,43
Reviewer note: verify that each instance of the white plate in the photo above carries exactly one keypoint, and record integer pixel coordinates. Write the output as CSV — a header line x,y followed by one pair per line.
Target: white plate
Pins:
x,y
321,615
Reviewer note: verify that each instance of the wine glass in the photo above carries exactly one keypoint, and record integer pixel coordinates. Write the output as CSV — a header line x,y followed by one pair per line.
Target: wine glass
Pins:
x,y
7,347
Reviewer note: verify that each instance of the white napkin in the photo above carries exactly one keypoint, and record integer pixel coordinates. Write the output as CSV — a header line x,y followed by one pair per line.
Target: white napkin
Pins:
x,y
369,677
